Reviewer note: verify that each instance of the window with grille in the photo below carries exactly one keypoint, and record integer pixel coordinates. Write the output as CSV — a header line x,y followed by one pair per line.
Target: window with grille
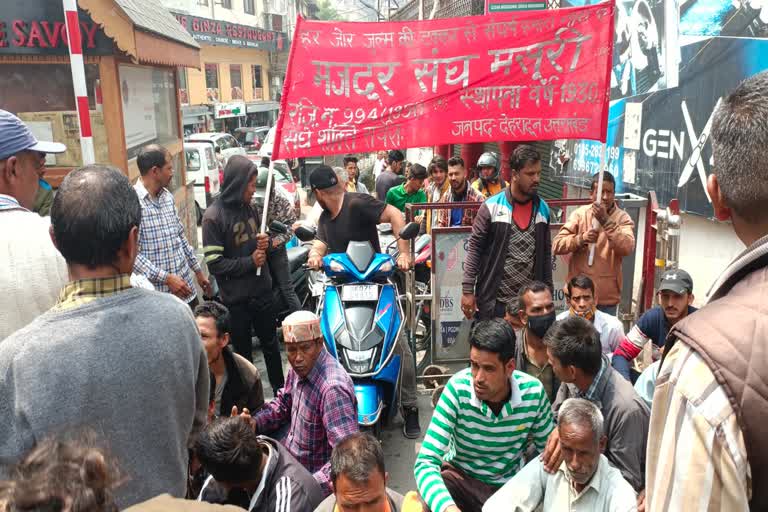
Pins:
x,y
212,82
248,7
258,92
236,80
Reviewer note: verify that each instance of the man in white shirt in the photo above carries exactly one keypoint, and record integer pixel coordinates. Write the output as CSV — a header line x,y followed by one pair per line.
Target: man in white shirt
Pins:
x,y
33,271
584,482
381,163
583,302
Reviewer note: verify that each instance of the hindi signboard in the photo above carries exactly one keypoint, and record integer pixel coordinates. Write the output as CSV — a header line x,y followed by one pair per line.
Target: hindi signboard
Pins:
x,y
359,87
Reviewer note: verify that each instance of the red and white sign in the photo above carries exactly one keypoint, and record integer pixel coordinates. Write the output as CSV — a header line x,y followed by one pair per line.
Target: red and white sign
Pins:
x,y
359,87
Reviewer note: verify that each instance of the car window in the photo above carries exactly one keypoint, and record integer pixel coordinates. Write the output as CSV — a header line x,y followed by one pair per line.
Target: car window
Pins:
x,y
262,135
222,143
193,160
229,142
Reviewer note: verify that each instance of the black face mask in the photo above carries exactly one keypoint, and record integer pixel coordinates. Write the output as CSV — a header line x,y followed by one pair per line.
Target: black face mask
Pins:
x,y
539,325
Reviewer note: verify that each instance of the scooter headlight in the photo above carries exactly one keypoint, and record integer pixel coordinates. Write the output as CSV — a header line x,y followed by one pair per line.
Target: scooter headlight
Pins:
x,y
359,356
336,266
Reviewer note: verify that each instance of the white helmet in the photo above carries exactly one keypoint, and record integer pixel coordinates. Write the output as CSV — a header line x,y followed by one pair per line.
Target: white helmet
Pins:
x,y
489,159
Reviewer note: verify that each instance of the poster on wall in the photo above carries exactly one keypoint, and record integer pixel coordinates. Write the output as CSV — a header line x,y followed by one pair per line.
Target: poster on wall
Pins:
x,y
675,153
450,252
138,105
645,53
732,18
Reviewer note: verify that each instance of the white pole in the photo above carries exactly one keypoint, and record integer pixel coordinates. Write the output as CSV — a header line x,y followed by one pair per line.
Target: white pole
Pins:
x,y
266,204
74,40
595,223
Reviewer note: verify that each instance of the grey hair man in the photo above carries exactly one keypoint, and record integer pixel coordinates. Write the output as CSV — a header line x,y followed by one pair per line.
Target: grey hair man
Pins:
x,y
96,355
584,482
360,480
711,384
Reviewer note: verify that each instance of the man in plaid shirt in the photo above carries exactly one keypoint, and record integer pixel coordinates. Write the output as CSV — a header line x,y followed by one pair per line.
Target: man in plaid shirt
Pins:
x,y
165,256
317,402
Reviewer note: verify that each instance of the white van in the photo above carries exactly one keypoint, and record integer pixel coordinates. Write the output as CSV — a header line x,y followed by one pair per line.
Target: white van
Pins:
x,y
204,170
228,144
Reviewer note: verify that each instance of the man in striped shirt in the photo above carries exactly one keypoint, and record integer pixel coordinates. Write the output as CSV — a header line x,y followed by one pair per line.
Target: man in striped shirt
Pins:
x,y
482,424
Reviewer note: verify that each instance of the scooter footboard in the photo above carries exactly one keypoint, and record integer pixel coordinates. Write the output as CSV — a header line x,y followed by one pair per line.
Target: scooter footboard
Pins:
x,y
370,403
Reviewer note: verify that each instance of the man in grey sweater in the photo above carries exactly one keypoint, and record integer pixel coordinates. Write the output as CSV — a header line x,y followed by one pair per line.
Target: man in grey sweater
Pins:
x,y
124,362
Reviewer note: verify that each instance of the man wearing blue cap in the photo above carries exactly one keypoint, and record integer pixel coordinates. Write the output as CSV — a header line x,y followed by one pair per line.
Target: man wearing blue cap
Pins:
x,y
33,271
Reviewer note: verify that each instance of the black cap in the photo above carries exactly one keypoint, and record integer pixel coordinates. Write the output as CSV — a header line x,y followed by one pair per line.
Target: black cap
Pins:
x,y
322,178
396,156
676,280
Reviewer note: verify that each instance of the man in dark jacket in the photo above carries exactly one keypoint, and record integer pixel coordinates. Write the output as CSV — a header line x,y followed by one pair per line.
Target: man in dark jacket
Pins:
x,y
510,243
576,355
234,379
252,472
235,253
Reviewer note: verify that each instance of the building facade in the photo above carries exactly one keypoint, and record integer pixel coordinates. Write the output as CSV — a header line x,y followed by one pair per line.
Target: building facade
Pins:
x,y
132,50
230,86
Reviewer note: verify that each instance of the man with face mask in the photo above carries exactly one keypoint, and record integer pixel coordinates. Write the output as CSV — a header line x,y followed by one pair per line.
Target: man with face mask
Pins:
x,y
489,181
536,313
510,243
585,481
581,296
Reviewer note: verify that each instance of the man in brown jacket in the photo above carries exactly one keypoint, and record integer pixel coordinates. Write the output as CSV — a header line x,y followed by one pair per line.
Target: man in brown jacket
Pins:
x,y
708,443
614,239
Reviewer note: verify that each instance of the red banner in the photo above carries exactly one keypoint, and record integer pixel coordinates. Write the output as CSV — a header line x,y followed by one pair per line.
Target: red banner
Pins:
x,y
360,87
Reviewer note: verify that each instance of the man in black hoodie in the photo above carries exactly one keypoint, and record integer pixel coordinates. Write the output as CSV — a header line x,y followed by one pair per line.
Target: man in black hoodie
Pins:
x,y
234,252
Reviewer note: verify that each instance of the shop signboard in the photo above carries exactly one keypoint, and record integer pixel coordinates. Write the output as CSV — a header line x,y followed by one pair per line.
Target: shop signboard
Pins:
x,y
138,105
38,28
231,109
224,33
492,6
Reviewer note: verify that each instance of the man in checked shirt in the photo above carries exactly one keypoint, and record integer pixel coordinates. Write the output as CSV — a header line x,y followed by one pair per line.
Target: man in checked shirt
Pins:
x,y
165,256
317,403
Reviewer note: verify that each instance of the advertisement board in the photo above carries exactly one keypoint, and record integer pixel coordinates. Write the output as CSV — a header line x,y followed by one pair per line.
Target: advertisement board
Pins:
x,y
449,252
138,105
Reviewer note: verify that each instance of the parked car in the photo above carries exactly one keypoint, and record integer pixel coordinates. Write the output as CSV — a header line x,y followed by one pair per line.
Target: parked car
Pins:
x,y
251,138
268,144
203,168
228,144
284,178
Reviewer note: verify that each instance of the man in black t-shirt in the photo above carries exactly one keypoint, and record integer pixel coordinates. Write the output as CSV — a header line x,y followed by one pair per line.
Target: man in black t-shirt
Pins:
x,y
392,176
347,217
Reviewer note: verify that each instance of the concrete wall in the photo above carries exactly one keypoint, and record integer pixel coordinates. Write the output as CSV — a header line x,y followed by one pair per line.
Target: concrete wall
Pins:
x,y
706,248
224,56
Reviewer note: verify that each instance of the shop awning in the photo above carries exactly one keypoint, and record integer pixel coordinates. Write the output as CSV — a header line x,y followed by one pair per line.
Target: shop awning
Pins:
x,y
146,31
261,106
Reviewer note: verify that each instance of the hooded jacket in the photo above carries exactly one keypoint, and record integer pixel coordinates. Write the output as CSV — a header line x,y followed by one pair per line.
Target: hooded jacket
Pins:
x,y
230,227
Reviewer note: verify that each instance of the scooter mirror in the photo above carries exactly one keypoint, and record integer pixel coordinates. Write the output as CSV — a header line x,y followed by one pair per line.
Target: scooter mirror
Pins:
x,y
277,227
410,231
305,234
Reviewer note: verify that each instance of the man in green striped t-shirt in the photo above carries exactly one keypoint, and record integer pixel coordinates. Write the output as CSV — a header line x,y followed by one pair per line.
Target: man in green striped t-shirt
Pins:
x,y
482,424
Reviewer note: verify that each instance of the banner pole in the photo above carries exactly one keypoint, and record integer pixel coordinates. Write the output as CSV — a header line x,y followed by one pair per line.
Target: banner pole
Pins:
x,y
265,209
595,223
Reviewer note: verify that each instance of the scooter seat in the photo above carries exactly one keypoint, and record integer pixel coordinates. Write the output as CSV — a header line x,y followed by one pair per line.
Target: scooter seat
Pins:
x,y
297,256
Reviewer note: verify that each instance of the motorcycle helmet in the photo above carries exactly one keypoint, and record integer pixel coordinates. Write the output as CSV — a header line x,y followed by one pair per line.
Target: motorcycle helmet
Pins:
x,y
489,159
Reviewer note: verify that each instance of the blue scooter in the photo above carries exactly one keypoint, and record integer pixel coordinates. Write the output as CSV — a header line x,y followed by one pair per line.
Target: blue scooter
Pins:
x,y
361,319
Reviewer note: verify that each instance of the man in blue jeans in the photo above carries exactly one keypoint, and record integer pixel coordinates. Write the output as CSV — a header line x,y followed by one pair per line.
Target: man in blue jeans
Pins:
x,y
675,299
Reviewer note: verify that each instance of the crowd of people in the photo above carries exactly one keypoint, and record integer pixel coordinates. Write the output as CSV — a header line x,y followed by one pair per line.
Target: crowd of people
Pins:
x,y
122,389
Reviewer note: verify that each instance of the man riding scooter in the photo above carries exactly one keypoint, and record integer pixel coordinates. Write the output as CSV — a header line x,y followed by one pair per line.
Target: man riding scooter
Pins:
x,y
350,216
489,182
